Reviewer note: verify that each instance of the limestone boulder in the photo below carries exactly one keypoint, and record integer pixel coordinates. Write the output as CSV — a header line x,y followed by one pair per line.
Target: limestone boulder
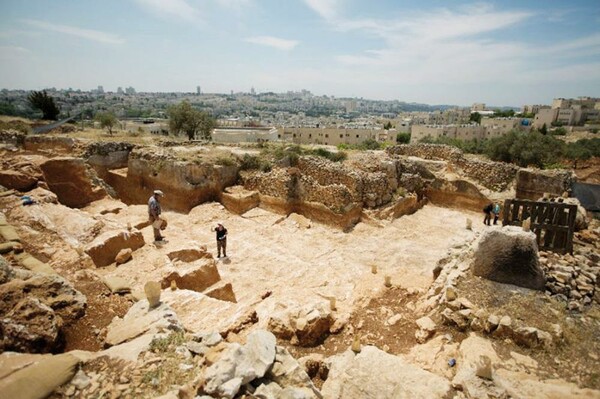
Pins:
x,y
426,329
16,180
142,320
104,249
475,372
304,326
375,374
286,372
40,379
32,327
196,276
509,255
532,337
123,256
240,365
72,181
52,290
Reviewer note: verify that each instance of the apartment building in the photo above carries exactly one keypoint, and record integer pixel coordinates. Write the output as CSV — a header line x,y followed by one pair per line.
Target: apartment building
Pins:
x,y
336,136
244,134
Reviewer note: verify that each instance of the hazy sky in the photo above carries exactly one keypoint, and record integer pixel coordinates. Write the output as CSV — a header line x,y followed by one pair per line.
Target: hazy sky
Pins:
x,y
438,52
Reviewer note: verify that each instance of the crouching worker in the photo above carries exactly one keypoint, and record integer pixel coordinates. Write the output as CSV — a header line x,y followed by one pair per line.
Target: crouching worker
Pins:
x,y
221,239
154,212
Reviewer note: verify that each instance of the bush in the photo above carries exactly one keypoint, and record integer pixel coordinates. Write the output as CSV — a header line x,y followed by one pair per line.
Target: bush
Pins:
x,y
369,144
560,131
225,161
403,138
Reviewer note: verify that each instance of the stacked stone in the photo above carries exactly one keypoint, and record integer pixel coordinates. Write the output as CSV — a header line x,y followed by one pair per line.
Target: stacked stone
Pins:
x,y
426,151
572,279
497,176
13,137
326,173
275,183
334,196
105,148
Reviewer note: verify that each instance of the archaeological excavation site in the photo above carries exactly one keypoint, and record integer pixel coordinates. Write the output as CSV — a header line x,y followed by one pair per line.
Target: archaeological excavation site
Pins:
x,y
370,277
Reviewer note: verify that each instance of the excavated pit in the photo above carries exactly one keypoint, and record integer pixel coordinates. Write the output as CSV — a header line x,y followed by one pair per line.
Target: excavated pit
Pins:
x,y
299,240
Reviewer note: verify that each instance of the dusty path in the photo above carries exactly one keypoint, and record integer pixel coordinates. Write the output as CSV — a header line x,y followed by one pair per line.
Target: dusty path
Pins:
x,y
296,264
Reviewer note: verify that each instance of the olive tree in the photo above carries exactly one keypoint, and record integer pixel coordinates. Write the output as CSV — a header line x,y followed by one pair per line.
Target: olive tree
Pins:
x,y
107,121
183,118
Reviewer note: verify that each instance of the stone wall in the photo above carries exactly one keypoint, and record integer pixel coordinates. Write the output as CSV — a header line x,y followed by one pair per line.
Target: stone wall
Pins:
x,y
12,137
426,151
108,155
497,176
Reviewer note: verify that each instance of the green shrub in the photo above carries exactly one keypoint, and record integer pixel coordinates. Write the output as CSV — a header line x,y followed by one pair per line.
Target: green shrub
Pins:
x,y
225,161
403,138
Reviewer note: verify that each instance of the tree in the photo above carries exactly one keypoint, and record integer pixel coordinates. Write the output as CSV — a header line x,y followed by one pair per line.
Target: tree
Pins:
x,y
577,151
107,121
544,129
387,125
185,119
475,117
42,101
403,138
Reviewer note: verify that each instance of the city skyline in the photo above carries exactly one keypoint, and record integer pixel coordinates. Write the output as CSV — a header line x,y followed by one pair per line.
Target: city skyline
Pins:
x,y
506,53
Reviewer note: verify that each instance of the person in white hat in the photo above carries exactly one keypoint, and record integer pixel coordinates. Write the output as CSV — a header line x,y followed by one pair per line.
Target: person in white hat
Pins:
x,y
221,239
154,212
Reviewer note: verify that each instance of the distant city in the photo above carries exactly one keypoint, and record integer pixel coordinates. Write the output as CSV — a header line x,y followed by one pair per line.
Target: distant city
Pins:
x,y
301,117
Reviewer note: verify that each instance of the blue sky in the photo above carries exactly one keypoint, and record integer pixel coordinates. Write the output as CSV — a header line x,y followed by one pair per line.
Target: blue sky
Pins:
x,y
437,52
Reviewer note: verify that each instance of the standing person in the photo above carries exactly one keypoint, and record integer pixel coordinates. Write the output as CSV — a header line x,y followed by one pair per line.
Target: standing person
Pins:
x,y
221,239
496,212
488,213
154,212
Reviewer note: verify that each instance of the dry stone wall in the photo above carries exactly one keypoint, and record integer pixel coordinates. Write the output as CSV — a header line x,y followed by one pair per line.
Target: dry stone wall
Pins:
x,y
12,137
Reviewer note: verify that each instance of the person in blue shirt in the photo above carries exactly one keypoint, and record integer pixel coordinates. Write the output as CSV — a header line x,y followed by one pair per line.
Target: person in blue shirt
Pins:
x,y
496,212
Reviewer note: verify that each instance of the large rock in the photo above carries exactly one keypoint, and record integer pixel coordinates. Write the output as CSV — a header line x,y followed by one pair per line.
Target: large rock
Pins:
x,y
104,249
509,255
52,290
72,181
193,276
141,320
241,364
40,379
305,326
475,351
288,373
375,374
30,326
13,179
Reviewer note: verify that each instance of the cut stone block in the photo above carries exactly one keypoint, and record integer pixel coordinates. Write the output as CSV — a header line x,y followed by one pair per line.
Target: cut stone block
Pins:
x,y
104,249
193,277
